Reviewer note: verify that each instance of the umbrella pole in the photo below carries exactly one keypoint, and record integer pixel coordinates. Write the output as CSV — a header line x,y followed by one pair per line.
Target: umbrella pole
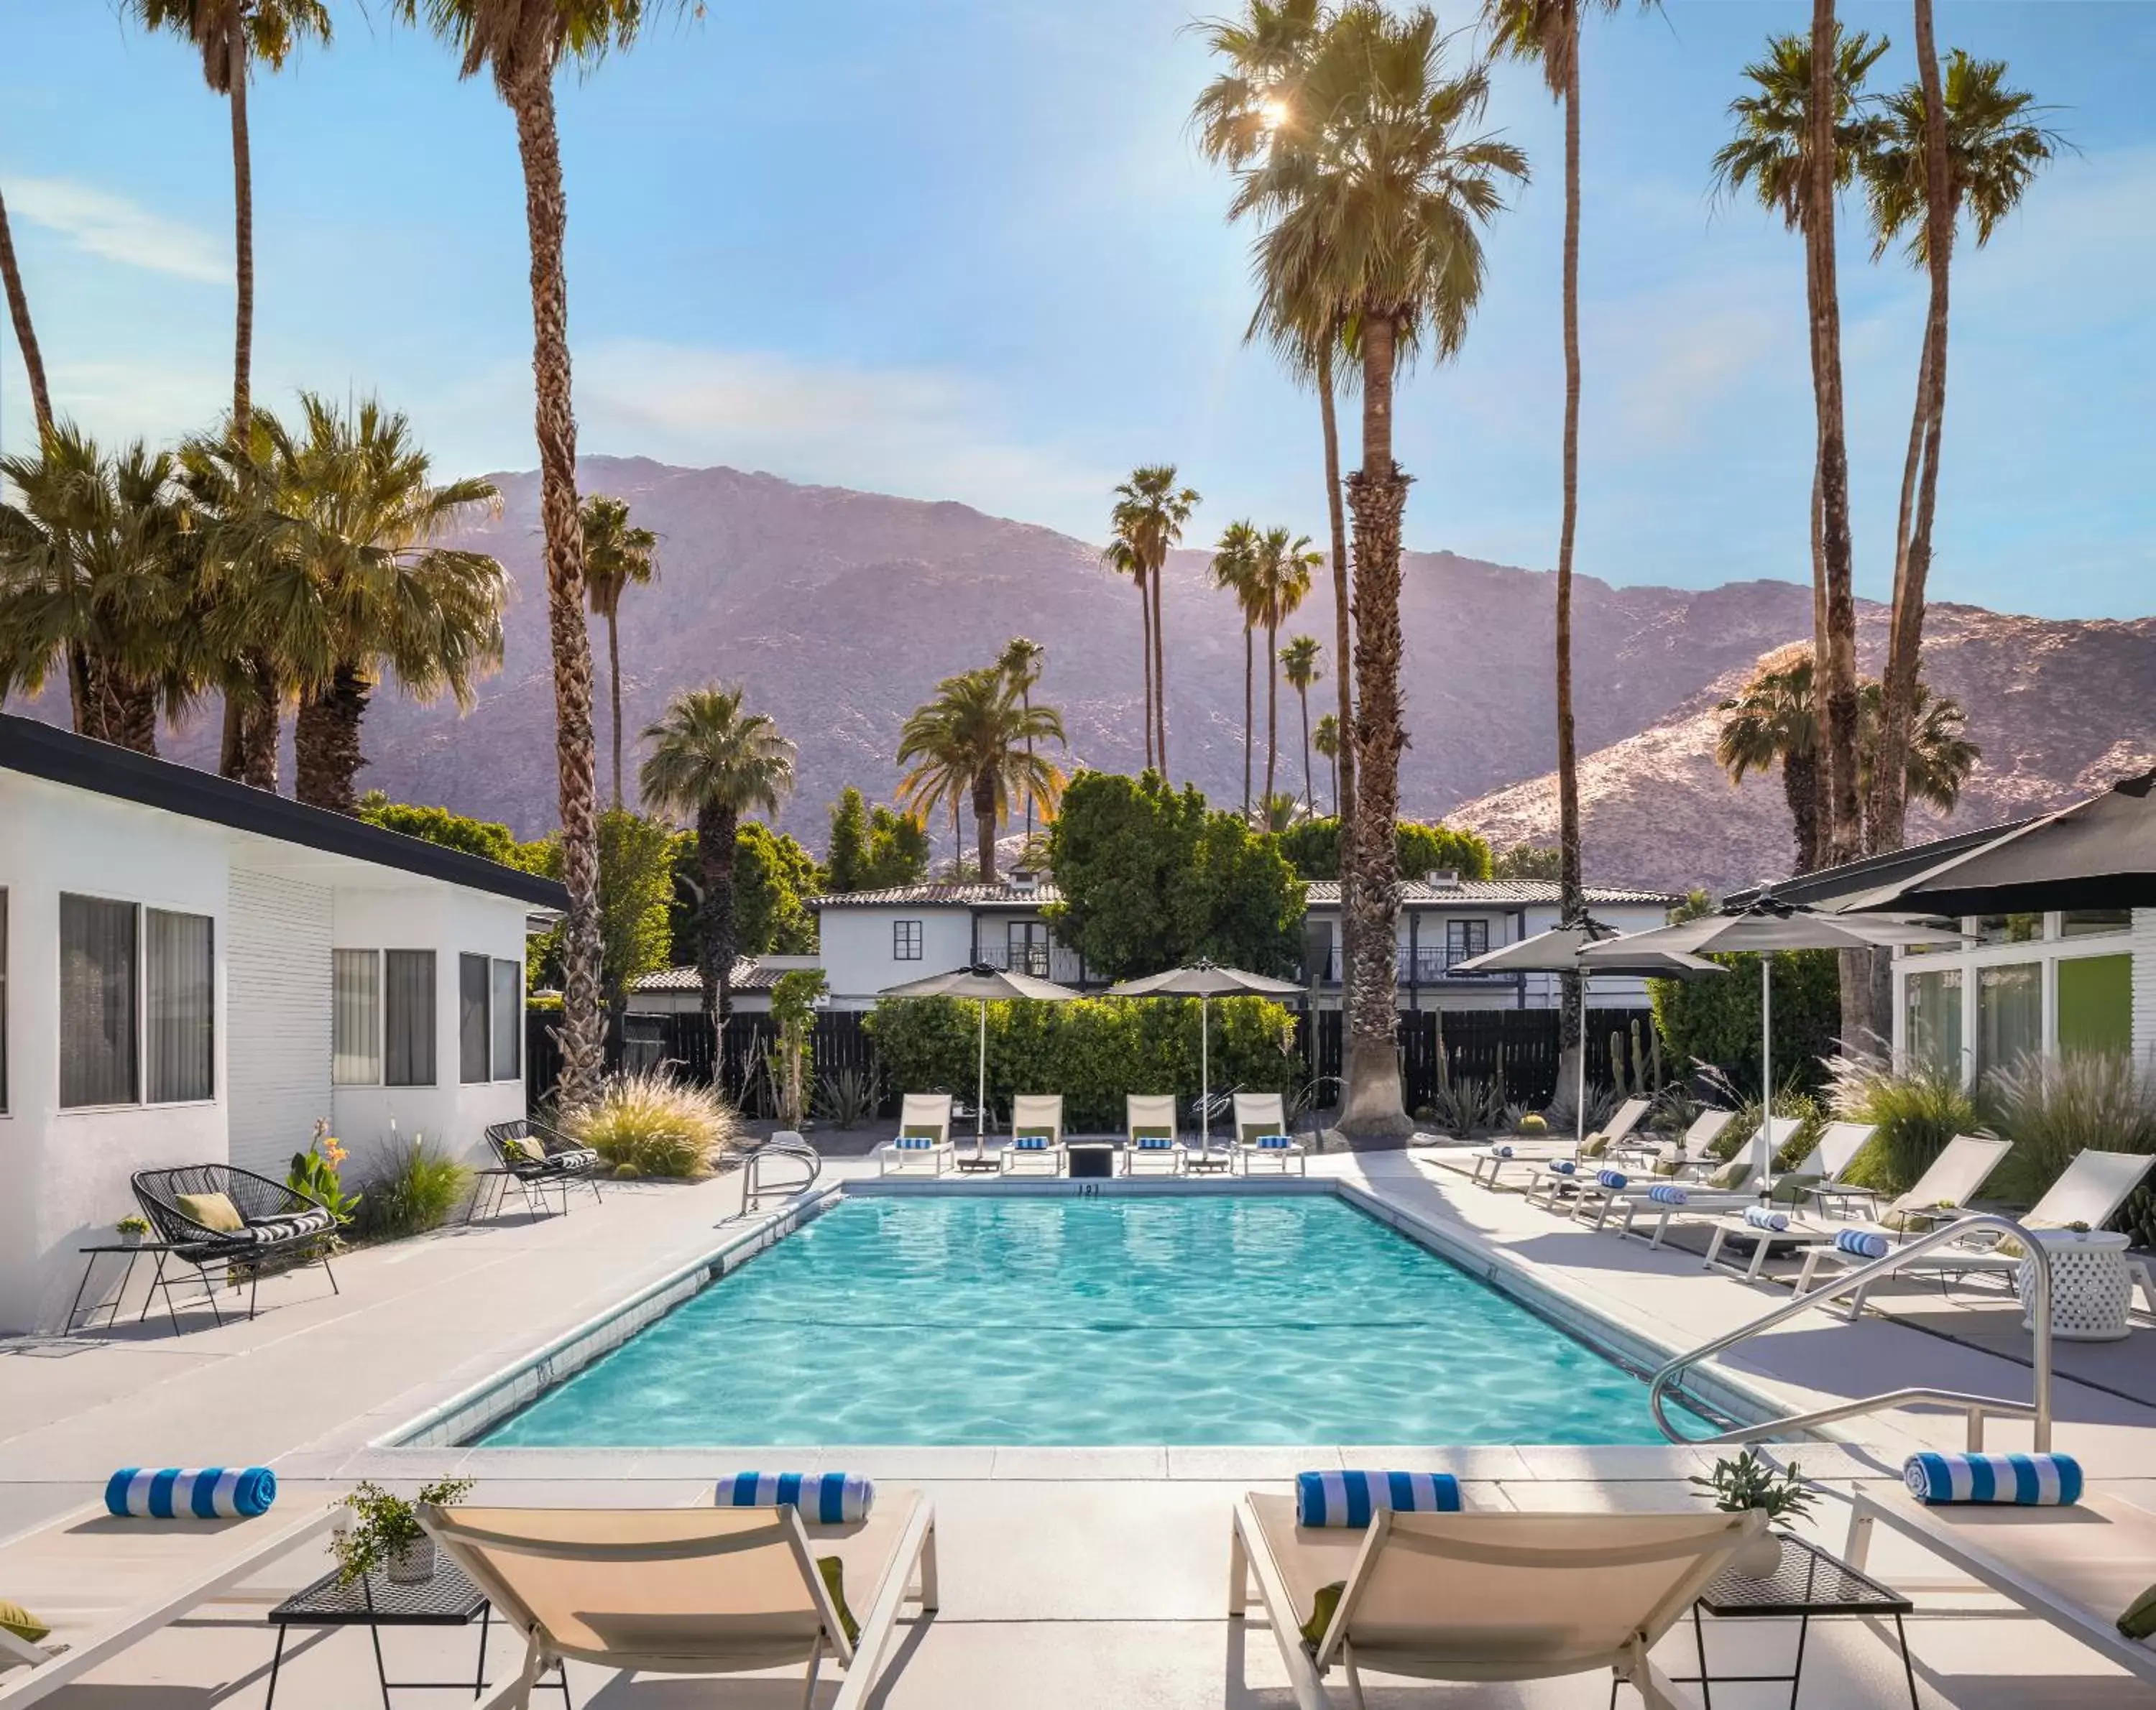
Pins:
x,y
1204,1070
1579,1114
1766,1142
981,1089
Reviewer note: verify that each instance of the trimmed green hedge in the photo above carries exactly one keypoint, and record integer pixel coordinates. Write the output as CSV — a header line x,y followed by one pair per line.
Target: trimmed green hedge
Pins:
x,y
1093,1050
1715,1022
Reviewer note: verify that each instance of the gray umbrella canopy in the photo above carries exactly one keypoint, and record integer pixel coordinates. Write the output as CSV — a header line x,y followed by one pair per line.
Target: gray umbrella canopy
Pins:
x,y
2099,853
983,985
1560,950
1205,981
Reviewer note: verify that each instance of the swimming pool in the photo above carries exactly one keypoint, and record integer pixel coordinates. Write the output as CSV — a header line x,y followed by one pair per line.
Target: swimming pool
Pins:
x,y
1023,1319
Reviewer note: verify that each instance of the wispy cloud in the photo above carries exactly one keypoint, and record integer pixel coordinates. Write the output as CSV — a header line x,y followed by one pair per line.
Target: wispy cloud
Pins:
x,y
100,223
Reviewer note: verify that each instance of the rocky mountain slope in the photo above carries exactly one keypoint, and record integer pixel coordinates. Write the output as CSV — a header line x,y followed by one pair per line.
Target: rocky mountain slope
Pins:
x,y
840,610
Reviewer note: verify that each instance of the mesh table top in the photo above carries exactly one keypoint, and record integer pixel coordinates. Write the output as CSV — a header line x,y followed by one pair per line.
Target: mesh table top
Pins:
x,y
449,1599
1809,1581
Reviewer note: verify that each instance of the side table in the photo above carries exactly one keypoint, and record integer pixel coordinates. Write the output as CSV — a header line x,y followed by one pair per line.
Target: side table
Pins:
x,y
1809,1582
133,1249
448,1599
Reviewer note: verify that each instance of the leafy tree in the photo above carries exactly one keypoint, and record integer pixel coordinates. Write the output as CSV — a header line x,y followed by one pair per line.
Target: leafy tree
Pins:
x,y
1715,1022
772,874
486,838
872,850
1312,848
617,556
975,741
1527,861
636,894
1150,877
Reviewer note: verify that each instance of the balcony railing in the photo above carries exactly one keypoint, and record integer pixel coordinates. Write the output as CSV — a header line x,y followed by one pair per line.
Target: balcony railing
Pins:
x,y
1423,966
1065,967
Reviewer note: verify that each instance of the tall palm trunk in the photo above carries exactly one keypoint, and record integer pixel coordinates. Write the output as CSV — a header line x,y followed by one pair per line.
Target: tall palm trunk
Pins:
x,y
1025,700
1145,662
1335,757
1159,668
26,337
530,98
248,750
1897,701
613,686
1571,895
1249,717
242,226
1343,653
326,740
1801,789
1272,709
984,825
717,924
1309,791
1378,495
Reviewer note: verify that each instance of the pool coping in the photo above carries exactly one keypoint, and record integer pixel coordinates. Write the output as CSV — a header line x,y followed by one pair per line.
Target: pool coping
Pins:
x,y
438,1439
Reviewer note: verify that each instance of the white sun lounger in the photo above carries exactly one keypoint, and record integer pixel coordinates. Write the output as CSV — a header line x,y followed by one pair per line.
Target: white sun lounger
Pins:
x,y
693,1591
1477,1597
1147,1118
923,1143
1704,1130
1838,1145
1489,1162
102,1584
2078,1568
1632,1198
1033,1114
1961,1168
1260,1117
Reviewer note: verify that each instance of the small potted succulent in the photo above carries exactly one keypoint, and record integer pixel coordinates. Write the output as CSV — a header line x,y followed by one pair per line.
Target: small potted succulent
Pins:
x,y
384,1533
1747,1483
132,1230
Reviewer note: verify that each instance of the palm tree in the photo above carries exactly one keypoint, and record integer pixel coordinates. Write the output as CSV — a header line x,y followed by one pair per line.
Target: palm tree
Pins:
x,y
974,742
363,583
230,35
97,569
1967,141
1149,516
1023,662
26,337
1299,660
1233,561
1377,221
1281,570
616,557
1939,757
710,763
1124,559
1773,720
1325,739
523,43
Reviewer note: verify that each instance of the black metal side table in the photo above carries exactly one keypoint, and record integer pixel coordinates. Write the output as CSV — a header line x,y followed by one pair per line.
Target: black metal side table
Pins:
x,y
448,1599
1809,1582
134,1250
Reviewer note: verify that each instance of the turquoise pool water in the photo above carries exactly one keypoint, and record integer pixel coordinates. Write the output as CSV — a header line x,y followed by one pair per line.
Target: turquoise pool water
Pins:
x,y
967,1319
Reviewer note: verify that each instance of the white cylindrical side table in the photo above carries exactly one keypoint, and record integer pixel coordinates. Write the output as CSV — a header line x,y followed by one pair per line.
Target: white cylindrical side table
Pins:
x,y
2091,1289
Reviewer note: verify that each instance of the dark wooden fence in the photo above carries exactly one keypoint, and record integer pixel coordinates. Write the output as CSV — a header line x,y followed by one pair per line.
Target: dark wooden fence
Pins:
x,y
1478,1044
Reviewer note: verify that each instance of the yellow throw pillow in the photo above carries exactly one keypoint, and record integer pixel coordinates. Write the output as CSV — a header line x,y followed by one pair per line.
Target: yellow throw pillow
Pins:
x,y
1598,1145
1733,1175
921,1131
530,1151
213,1211
832,1570
1251,1130
19,1621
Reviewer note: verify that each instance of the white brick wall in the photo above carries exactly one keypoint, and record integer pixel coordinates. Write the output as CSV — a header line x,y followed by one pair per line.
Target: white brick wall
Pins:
x,y
278,1014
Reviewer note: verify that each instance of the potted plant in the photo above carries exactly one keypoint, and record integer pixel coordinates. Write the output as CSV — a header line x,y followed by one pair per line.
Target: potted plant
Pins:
x,y
384,1533
132,1230
1747,1483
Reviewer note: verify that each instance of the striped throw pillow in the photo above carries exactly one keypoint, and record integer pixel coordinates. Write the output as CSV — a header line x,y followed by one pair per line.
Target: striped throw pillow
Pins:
x,y
822,1498
2023,1480
1351,1498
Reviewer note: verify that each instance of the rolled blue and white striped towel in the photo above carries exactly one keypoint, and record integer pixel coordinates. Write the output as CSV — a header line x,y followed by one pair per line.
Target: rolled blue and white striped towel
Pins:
x,y
1154,1143
823,1499
1662,1194
1031,1143
1862,1243
915,1143
1564,1166
1612,1179
1501,1151
1766,1217
1276,1143
190,1492
2024,1481
1350,1498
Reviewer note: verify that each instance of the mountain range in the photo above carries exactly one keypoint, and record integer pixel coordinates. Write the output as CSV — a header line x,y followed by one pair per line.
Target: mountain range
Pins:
x,y
840,610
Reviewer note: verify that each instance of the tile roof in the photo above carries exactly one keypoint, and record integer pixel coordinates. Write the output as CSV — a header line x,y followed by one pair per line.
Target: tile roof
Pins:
x,y
1495,892
749,976
943,895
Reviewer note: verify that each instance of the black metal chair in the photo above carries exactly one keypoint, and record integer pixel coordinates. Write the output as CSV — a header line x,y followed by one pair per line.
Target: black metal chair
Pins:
x,y
278,1224
560,1164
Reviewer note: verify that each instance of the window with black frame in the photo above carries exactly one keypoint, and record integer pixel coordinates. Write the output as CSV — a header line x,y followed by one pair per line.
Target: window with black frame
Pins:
x,y
408,981
1464,938
905,941
137,1004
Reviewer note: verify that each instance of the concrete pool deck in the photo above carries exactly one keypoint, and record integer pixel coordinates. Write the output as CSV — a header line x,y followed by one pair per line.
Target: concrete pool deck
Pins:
x,y
1082,1577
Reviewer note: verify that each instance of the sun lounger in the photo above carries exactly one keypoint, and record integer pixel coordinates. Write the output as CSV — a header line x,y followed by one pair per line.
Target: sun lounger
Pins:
x,y
1149,1125
1797,1232
1664,1202
102,1584
2078,1568
1960,1170
694,1591
1036,1144
1477,1596
923,1142
1260,1113
1692,1145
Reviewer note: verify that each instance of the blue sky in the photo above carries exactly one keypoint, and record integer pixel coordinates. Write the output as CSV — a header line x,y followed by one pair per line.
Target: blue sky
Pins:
x,y
963,248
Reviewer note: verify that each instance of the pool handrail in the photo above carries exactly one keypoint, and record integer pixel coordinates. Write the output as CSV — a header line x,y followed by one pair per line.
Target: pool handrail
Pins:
x,y
786,1145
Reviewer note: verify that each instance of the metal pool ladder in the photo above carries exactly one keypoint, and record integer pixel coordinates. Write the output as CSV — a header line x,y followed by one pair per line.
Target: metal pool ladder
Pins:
x,y
784,1148
2036,1409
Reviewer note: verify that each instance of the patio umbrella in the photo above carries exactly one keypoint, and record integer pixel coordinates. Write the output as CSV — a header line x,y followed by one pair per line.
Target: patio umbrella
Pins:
x,y
1205,981
1766,927
1559,951
983,984
2099,853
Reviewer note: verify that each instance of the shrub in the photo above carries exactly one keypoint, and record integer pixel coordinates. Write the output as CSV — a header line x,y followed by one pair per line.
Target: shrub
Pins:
x,y
654,1124
416,1188
1092,1050
1716,1021
847,1098
2054,1107
1916,1111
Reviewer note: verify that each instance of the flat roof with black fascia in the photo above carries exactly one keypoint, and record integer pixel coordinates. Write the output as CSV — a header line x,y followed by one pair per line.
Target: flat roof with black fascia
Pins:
x,y
40,750
1832,884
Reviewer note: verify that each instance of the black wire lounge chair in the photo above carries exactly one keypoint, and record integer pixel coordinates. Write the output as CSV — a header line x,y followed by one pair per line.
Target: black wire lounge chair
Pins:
x,y
535,1158
279,1226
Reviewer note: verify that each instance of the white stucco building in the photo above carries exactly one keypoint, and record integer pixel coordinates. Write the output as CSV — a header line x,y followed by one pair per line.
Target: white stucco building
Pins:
x,y
192,971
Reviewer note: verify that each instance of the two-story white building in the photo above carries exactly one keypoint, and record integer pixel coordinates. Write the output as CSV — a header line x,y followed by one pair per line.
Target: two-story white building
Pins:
x,y
872,940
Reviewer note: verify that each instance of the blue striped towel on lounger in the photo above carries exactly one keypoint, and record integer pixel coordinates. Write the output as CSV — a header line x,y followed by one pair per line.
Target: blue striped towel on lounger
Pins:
x,y
915,1143
1662,1194
1862,1243
1351,1498
1154,1143
191,1493
1276,1143
1501,1151
1766,1217
1031,1143
822,1499
2025,1481
1562,1167
1614,1180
